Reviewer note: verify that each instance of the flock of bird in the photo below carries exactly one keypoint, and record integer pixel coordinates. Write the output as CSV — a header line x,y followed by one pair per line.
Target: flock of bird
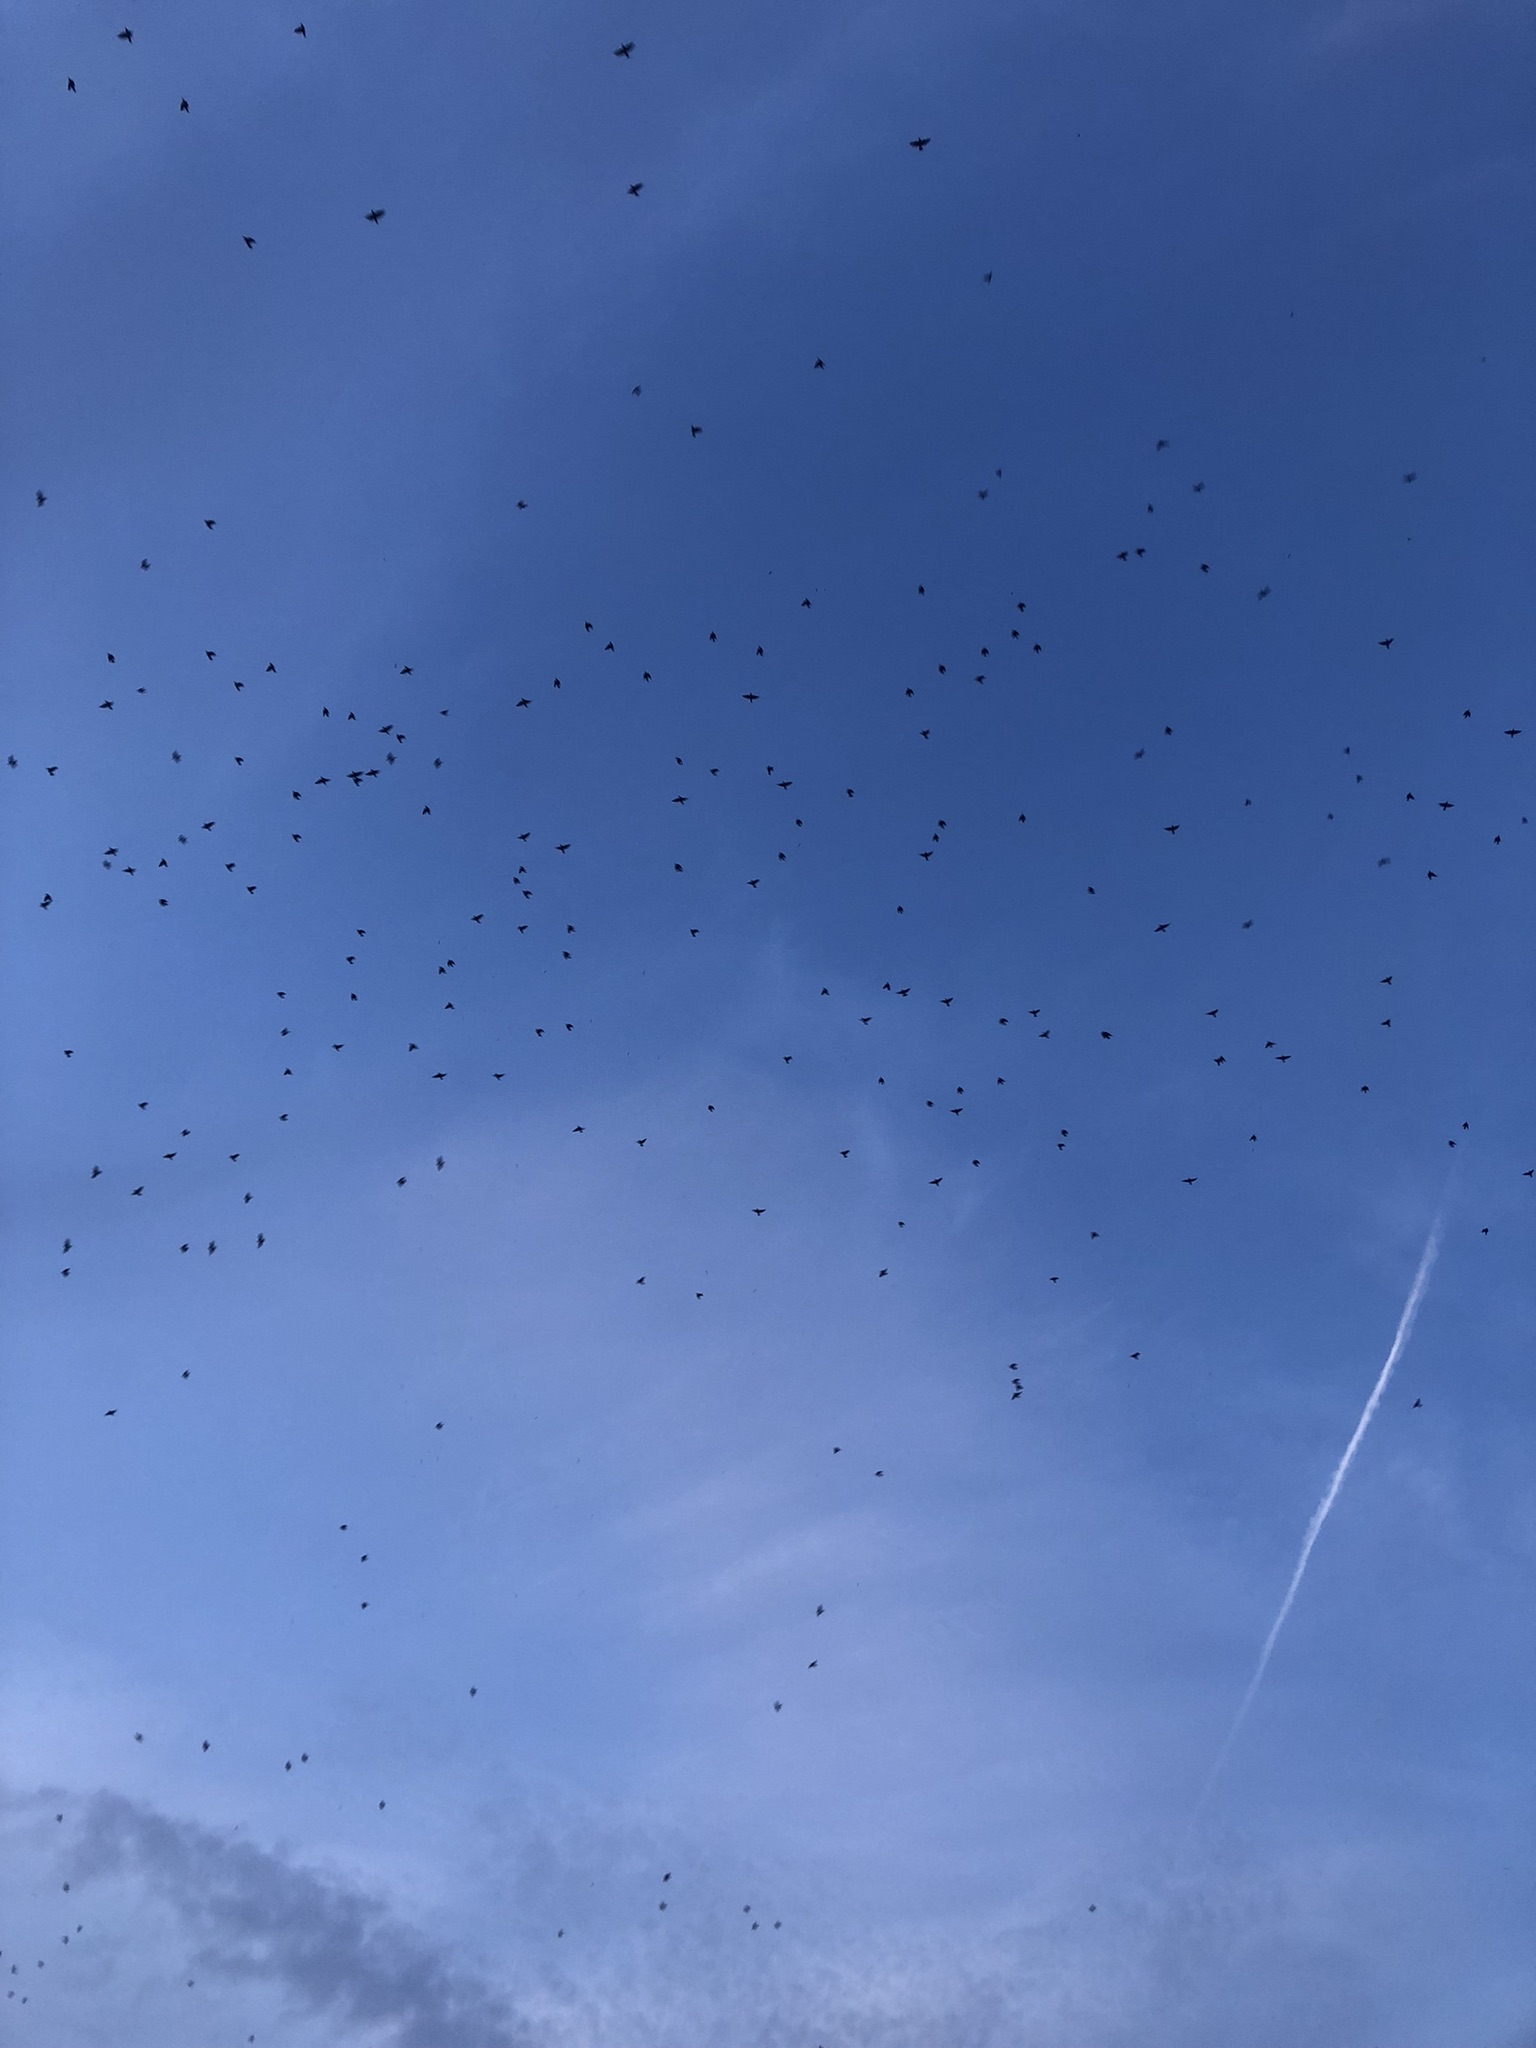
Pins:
x,y
358,759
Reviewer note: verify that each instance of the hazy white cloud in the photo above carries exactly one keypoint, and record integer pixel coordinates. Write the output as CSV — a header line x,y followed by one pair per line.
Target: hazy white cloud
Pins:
x,y
1359,24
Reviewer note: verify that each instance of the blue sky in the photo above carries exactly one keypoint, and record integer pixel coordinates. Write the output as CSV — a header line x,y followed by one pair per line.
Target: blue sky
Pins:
x,y
465,1082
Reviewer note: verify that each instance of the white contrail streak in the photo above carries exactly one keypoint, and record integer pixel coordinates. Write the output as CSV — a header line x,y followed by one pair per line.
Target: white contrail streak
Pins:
x,y
1320,1514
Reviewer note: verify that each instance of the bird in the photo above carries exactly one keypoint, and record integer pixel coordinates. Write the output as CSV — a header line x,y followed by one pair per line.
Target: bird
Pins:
x,y
625,50
635,190
920,142
376,215
125,35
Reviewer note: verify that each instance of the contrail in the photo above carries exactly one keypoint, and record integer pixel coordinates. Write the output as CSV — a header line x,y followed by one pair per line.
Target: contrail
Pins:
x,y
1320,1514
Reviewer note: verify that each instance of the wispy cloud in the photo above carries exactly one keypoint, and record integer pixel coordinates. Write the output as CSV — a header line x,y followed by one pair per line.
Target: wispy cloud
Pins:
x,y
1253,1947
331,1948
1364,23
